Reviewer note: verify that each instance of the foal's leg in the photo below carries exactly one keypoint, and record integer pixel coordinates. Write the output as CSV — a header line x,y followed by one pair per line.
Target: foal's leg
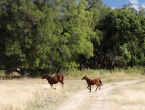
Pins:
x,y
98,85
88,87
96,88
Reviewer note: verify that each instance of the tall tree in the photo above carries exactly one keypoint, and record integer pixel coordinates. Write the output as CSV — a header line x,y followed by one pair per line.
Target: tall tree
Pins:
x,y
98,12
77,31
28,34
124,31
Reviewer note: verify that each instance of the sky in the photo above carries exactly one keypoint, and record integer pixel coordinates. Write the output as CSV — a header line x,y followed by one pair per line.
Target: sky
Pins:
x,y
119,3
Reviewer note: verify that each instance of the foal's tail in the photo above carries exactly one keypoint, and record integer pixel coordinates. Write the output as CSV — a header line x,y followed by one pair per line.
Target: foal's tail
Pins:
x,y
100,82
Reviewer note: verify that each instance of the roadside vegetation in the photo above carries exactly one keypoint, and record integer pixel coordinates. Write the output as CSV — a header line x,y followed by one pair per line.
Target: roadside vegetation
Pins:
x,y
128,97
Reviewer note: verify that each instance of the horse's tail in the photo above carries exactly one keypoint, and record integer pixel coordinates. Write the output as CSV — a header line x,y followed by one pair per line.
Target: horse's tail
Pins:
x,y
100,82
60,77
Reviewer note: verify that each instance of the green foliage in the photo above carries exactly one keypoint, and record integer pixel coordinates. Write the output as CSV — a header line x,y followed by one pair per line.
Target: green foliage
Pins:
x,y
72,66
124,34
67,34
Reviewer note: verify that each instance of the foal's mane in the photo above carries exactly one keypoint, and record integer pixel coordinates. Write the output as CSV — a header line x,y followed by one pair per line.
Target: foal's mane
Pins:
x,y
87,77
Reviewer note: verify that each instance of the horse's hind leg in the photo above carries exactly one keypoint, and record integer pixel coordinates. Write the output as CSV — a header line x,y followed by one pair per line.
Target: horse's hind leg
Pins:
x,y
51,85
99,87
62,84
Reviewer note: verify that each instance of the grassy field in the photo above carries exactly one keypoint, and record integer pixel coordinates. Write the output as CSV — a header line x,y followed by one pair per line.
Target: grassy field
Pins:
x,y
129,97
36,94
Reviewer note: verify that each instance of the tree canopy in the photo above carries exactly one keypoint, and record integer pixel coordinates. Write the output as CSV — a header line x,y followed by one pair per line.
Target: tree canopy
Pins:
x,y
50,35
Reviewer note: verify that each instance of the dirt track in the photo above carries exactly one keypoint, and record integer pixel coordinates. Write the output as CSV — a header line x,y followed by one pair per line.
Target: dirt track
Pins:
x,y
98,100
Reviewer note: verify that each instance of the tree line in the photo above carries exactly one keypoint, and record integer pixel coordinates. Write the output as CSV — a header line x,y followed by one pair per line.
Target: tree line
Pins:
x,y
40,36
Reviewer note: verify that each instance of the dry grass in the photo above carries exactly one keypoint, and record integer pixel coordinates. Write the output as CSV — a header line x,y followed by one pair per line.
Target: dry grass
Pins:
x,y
105,75
36,94
129,97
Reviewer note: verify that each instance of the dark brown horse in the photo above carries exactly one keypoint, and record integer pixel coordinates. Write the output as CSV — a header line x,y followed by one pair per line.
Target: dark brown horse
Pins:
x,y
90,82
54,79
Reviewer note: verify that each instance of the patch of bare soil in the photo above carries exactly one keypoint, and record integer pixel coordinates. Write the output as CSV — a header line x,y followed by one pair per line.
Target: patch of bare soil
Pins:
x,y
98,100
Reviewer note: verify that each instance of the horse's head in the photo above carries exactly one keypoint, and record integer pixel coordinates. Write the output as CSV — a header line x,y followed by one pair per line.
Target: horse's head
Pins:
x,y
84,77
44,76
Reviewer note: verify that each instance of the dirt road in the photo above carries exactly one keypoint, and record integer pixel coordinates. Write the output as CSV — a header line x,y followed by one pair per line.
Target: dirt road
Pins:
x,y
98,100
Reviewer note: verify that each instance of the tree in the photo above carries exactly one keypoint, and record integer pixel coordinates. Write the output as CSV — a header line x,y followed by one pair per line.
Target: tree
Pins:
x,y
98,12
76,35
124,31
28,34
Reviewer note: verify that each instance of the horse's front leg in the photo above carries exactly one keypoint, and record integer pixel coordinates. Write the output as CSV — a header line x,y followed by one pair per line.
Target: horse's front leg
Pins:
x,y
88,87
